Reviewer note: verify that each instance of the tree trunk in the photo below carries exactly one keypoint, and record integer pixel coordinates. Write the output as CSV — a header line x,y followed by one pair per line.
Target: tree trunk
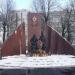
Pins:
x,y
0,54
63,32
4,33
7,31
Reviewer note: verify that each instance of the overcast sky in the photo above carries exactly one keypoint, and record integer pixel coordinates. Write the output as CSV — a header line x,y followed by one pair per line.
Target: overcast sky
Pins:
x,y
24,4
27,4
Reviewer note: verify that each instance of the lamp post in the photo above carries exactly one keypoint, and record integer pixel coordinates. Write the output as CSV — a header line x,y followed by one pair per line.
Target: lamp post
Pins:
x,y
20,46
19,40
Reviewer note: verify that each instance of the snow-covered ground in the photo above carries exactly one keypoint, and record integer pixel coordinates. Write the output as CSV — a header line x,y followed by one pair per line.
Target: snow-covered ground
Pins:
x,y
22,61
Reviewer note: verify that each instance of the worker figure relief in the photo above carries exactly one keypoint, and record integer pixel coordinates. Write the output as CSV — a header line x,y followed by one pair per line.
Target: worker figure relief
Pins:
x,y
43,39
34,43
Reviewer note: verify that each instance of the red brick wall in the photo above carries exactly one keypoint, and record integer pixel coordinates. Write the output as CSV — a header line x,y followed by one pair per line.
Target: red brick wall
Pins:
x,y
15,42
33,27
57,44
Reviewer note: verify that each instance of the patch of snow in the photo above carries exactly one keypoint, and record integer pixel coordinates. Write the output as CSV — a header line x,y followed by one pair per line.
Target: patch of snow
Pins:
x,y
22,61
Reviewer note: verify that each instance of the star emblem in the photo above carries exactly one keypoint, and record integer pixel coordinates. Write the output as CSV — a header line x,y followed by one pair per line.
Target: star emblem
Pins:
x,y
34,19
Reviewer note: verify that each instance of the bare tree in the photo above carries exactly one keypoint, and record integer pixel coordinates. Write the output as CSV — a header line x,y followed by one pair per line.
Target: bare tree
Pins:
x,y
8,18
63,26
2,16
67,20
66,24
44,7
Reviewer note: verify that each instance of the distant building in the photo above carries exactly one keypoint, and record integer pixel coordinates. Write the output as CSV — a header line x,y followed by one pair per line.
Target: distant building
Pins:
x,y
55,19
